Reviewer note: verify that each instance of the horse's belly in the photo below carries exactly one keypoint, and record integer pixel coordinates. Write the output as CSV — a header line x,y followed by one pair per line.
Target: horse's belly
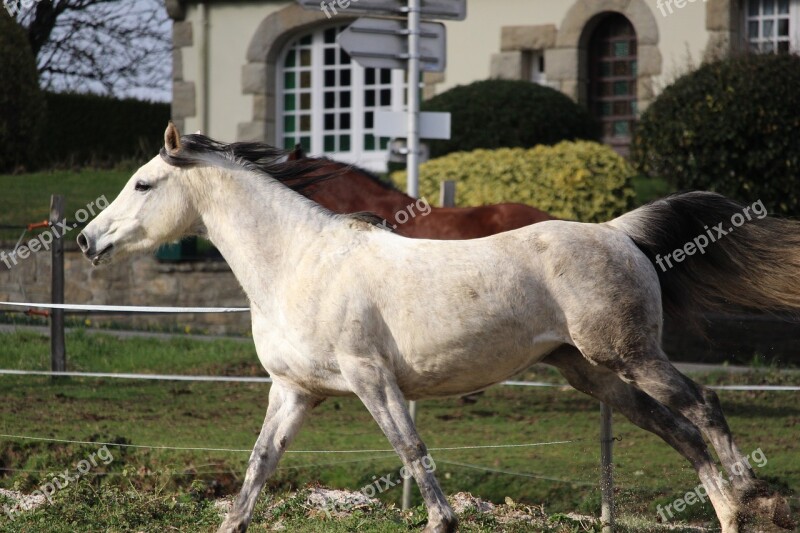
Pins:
x,y
469,369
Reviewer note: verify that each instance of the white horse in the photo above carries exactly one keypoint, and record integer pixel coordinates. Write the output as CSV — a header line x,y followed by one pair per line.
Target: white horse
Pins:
x,y
340,306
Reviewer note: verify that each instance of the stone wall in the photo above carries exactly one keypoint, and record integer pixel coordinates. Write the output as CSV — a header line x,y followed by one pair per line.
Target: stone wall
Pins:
x,y
141,280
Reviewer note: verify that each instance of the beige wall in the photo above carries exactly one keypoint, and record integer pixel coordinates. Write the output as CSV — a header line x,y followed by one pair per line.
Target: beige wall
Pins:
x,y
230,29
471,44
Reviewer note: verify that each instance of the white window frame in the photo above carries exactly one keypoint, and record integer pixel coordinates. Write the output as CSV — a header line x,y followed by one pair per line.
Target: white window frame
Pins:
x,y
375,160
758,45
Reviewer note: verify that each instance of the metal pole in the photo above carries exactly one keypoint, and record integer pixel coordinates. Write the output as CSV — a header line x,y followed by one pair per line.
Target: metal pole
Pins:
x,y
606,470
447,194
409,481
412,158
58,354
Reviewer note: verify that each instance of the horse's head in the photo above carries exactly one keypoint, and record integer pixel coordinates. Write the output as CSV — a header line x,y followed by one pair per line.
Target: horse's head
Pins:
x,y
155,207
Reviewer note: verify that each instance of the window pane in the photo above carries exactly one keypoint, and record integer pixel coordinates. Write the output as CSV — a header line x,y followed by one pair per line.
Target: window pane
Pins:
x,y
369,142
288,102
783,7
621,68
769,7
288,143
344,76
344,57
305,122
384,143
306,40
783,27
621,49
288,80
783,47
620,88
386,97
344,121
752,29
330,143
289,59
344,143
769,27
330,99
386,75
330,56
752,8
330,121
305,101
305,80
330,35
305,142
369,117
288,124
621,127
344,99
768,47
369,98
305,58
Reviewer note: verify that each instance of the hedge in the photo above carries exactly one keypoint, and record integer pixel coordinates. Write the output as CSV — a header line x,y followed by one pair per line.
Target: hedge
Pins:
x,y
581,180
509,114
88,129
731,127
21,101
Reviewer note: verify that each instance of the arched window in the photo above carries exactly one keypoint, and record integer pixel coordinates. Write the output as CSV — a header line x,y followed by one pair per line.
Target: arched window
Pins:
x,y
612,79
326,101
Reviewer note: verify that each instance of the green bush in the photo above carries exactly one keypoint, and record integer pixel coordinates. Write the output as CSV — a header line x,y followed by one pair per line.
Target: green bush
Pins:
x,y
509,114
88,129
731,127
581,180
21,102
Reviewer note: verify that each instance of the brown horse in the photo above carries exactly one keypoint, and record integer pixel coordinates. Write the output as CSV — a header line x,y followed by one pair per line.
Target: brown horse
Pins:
x,y
354,189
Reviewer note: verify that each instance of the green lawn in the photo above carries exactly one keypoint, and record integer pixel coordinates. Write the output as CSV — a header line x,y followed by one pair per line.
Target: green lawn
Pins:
x,y
26,197
153,490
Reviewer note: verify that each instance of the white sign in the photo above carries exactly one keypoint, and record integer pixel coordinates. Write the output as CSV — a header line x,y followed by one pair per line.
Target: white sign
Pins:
x,y
395,124
431,9
383,43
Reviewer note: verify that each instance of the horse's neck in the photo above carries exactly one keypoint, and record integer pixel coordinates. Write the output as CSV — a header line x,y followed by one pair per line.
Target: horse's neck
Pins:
x,y
256,223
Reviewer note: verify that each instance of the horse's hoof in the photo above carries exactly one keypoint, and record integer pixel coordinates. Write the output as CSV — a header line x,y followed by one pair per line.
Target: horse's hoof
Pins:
x,y
445,525
770,509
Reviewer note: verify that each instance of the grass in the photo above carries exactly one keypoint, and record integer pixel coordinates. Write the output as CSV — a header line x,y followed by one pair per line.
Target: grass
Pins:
x,y
154,490
26,197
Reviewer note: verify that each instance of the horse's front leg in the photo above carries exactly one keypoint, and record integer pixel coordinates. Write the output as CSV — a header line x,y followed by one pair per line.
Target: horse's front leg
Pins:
x,y
377,388
285,415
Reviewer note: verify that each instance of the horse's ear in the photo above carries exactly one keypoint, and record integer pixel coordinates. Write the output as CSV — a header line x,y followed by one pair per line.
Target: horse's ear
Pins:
x,y
172,139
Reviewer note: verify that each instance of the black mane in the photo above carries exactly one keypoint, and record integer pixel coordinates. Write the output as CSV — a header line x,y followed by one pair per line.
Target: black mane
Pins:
x,y
197,149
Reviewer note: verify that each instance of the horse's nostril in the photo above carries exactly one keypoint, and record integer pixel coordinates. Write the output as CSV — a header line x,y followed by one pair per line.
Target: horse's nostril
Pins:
x,y
83,243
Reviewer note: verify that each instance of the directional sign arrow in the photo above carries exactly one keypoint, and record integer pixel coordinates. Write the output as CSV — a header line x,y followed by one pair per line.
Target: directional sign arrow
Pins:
x,y
383,43
431,9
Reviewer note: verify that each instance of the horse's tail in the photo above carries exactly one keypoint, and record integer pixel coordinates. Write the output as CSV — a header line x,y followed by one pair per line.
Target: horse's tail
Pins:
x,y
710,251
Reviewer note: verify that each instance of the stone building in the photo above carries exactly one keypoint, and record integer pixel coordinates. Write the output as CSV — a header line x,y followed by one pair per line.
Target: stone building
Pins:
x,y
271,71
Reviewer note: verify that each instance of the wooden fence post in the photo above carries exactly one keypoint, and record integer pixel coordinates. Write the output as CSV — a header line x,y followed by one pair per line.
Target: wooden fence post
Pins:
x,y
58,353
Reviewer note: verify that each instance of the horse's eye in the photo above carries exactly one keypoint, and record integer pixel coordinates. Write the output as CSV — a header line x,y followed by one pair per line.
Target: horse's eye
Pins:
x,y
142,186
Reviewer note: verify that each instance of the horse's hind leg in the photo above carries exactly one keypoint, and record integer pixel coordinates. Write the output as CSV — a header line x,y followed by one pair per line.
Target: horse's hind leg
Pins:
x,y
285,415
652,416
377,389
647,367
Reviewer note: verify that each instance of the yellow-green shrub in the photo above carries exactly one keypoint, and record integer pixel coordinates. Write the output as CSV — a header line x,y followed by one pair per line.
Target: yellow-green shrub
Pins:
x,y
580,180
